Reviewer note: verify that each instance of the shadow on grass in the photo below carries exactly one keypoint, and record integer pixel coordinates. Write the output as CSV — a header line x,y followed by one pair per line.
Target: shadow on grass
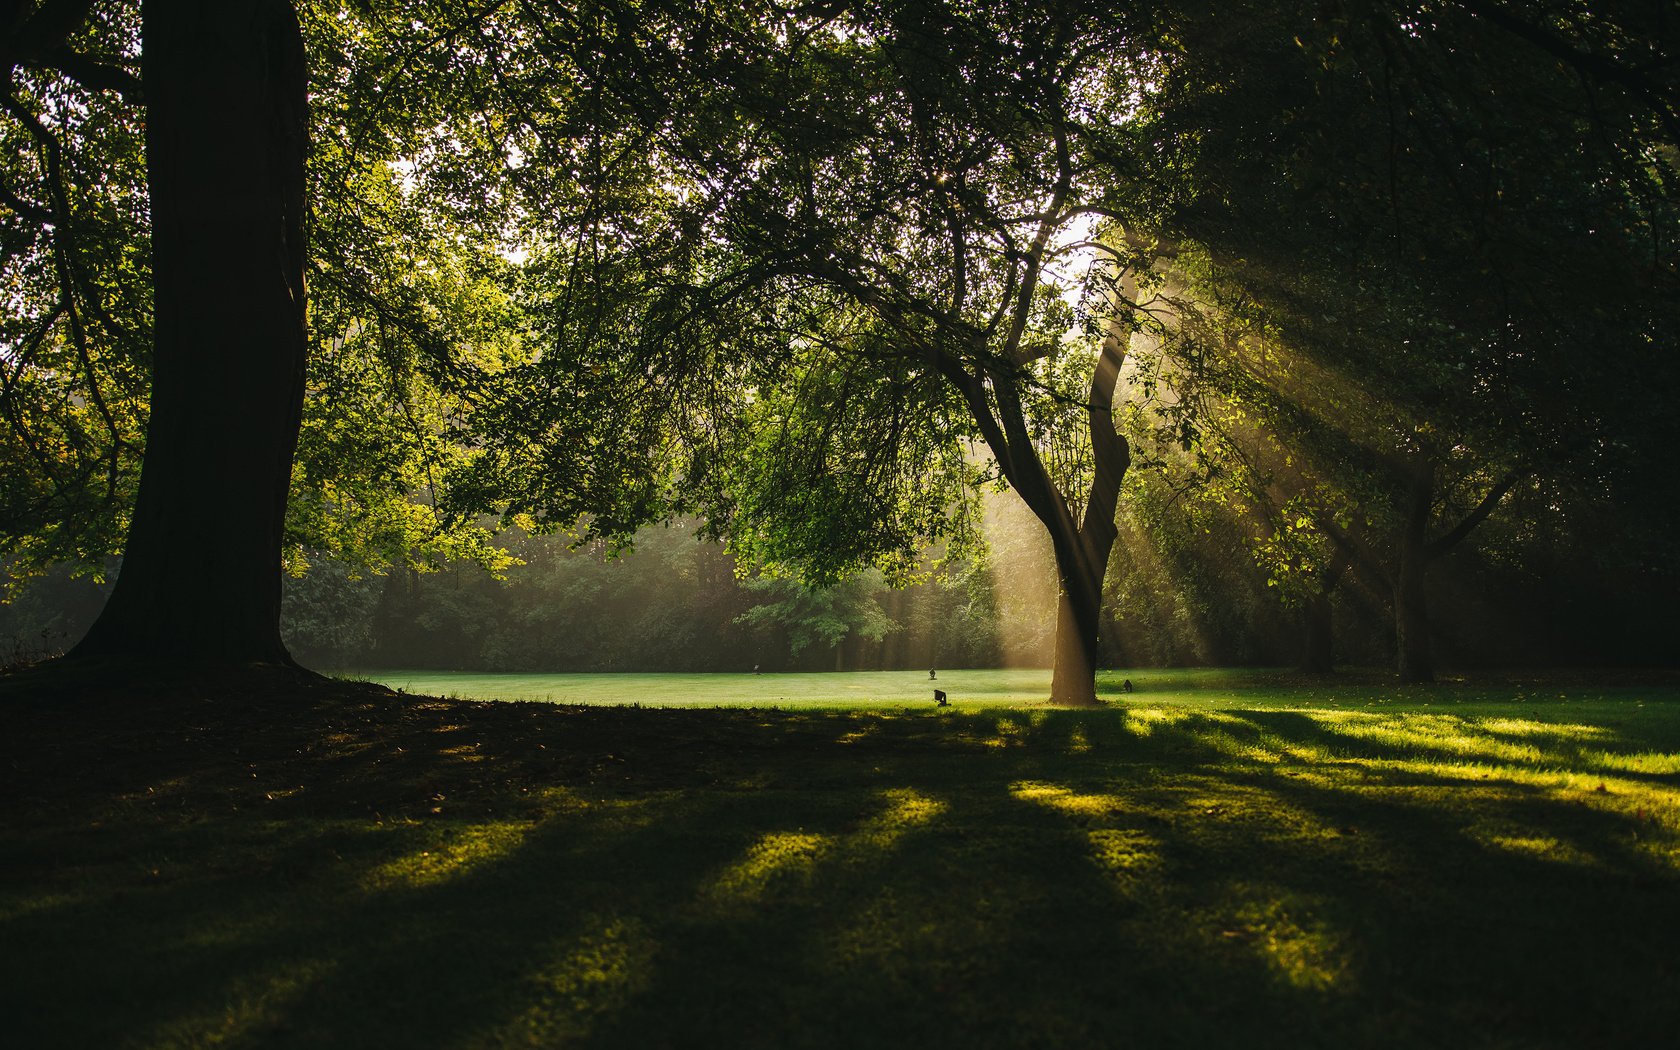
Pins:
x,y
344,869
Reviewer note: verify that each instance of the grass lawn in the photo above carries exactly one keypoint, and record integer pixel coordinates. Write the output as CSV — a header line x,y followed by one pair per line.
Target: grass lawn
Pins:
x,y
844,690
1223,858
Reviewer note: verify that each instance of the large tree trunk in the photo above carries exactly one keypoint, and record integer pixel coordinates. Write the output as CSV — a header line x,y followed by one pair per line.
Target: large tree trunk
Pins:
x,y
1078,617
1411,605
226,130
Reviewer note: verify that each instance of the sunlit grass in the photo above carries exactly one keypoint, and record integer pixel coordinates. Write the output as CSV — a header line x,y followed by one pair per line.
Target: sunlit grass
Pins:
x,y
1226,858
452,854
595,973
890,689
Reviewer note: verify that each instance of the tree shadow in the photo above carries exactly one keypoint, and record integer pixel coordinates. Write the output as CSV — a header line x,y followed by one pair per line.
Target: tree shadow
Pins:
x,y
345,871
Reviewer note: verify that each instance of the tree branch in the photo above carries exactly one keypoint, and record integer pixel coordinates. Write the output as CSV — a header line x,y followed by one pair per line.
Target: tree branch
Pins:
x,y
1436,548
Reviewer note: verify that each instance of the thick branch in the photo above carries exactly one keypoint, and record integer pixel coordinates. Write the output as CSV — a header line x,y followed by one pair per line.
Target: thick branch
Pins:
x,y
1035,255
89,73
1440,546
1110,453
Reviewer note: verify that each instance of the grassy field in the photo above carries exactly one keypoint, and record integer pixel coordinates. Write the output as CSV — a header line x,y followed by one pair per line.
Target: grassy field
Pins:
x,y
860,690
1225,858
844,690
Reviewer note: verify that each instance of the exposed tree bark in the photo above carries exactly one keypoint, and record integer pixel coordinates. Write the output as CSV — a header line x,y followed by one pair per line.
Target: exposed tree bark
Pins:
x,y
1079,573
226,137
1318,655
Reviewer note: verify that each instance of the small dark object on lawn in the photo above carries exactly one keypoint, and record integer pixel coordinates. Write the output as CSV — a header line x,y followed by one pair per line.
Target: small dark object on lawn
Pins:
x,y
939,698
932,675
1126,686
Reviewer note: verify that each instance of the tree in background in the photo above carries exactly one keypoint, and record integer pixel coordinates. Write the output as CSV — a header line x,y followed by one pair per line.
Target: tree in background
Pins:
x,y
1422,242
881,215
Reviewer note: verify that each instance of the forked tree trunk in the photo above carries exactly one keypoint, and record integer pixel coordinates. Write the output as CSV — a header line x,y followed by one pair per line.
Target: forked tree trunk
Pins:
x,y
226,132
1083,549
1082,542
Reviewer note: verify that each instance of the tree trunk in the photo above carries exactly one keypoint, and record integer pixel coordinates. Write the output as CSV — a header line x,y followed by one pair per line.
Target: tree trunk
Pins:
x,y
1073,681
1411,605
1411,619
1317,635
226,137
1317,623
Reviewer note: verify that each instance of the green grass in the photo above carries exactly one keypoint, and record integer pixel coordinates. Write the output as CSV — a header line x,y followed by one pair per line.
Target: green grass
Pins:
x,y
1228,858
860,690
851,689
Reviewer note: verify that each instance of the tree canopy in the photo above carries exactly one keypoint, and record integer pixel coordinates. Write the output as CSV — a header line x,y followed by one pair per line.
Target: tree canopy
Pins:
x,y
818,273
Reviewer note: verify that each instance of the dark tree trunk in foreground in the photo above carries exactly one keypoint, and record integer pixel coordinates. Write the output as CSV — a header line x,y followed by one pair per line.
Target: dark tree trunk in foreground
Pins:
x,y
226,129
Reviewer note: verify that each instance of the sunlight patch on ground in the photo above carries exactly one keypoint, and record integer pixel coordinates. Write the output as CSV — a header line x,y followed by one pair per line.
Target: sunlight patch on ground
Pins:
x,y
776,855
1233,742
1528,727
452,855
1658,763
906,810
780,857
1079,740
1065,800
1010,733
1529,843
592,975
1143,721
1123,854
561,800
248,1009
1446,733
861,733
462,753
1288,932
1553,775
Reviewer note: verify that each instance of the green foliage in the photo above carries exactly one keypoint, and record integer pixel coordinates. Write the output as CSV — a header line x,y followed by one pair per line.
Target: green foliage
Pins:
x,y
816,274
820,617
841,466
672,603
1357,307
74,331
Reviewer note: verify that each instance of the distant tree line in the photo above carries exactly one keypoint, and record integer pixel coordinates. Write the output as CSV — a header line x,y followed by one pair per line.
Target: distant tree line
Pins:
x,y
1190,588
